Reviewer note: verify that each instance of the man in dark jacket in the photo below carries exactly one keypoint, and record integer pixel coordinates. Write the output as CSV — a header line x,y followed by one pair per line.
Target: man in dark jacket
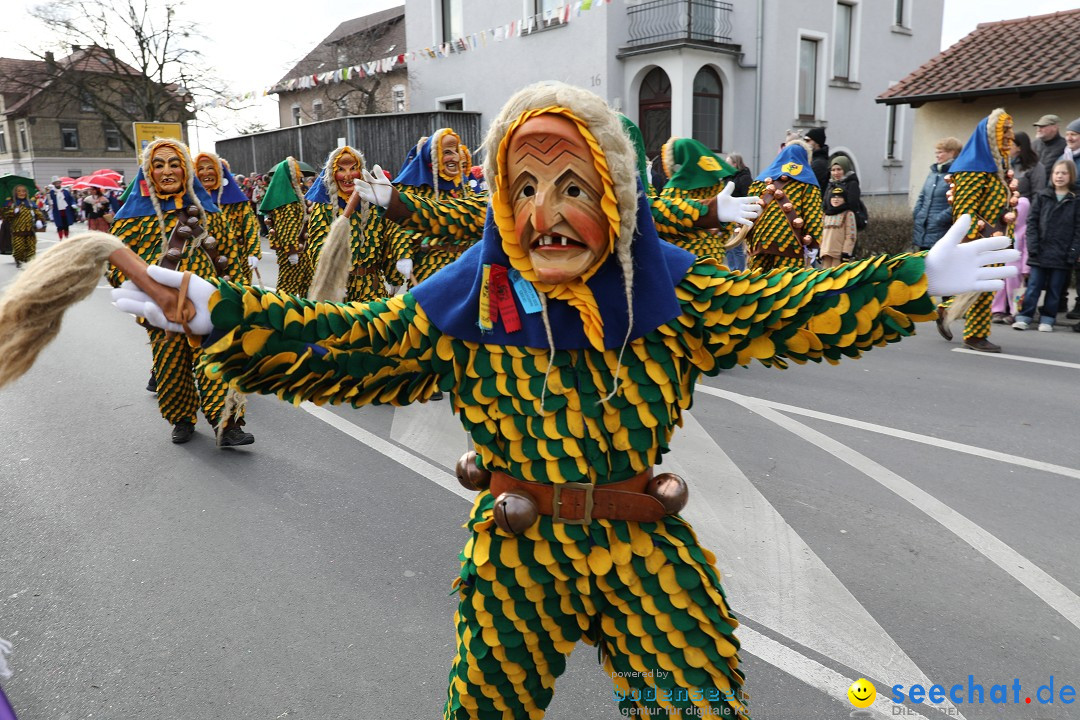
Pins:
x,y
819,161
61,207
933,214
1048,143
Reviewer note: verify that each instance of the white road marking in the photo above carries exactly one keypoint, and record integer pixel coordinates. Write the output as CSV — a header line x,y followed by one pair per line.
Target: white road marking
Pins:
x,y
747,401
784,658
432,430
1007,356
774,578
1026,572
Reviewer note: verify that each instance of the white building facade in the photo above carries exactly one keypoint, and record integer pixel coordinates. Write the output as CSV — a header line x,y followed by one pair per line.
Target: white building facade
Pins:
x,y
734,74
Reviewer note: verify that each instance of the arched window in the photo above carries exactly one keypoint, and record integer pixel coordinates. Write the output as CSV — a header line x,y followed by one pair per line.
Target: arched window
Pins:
x,y
708,109
654,110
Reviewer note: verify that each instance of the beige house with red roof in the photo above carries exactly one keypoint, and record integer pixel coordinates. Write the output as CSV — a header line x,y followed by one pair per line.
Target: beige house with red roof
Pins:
x,y
1030,66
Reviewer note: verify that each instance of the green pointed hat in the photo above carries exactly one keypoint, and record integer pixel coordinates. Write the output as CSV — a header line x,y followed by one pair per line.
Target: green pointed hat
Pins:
x,y
690,165
284,186
639,149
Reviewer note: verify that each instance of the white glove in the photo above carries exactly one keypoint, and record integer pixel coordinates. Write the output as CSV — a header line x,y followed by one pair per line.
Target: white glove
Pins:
x,y
404,267
39,225
953,267
742,210
131,299
375,189
293,258
253,262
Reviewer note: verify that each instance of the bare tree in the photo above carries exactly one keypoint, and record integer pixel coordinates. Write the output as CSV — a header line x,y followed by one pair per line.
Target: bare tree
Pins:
x,y
359,96
132,61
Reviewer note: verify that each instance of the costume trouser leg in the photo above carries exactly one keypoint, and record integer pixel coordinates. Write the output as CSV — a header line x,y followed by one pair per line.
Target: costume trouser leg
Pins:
x,y
977,318
647,594
765,262
181,389
294,279
23,246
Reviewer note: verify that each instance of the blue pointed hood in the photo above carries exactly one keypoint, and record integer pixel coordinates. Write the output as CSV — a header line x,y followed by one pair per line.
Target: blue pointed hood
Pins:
x,y
451,297
229,193
417,170
976,155
791,161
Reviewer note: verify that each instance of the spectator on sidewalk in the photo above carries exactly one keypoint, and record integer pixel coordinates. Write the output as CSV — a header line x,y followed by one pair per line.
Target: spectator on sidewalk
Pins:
x,y
932,213
735,258
1053,245
1028,171
61,207
1048,142
819,160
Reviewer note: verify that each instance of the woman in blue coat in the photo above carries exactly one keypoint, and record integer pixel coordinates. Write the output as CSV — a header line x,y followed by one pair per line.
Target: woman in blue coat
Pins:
x,y
932,214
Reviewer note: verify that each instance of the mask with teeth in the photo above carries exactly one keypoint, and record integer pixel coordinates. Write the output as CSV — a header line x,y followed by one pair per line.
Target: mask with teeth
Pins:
x,y
555,192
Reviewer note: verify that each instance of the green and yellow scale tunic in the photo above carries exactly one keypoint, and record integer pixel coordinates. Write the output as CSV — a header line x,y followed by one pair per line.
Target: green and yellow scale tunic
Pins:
x,y
983,196
430,252
242,233
674,214
646,593
773,243
180,390
371,250
23,230
287,221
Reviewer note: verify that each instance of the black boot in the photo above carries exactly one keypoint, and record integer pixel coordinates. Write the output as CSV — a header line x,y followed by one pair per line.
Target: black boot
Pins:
x,y
182,432
151,384
234,436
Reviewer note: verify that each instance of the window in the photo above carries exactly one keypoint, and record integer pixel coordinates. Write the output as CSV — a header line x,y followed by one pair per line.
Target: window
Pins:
x,y
842,41
86,101
654,110
708,107
317,109
69,137
399,98
453,26
295,114
24,138
112,139
74,172
898,13
545,12
457,103
3,138
808,77
892,143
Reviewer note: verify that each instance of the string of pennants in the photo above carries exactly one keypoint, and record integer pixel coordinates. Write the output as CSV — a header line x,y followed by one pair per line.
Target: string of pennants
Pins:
x,y
475,41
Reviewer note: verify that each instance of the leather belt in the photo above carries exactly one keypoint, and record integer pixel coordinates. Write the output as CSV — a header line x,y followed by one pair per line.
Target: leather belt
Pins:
x,y
364,270
579,503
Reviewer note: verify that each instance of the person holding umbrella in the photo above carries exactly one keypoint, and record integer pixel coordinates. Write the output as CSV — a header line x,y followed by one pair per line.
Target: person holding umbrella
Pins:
x,y
23,220
98,212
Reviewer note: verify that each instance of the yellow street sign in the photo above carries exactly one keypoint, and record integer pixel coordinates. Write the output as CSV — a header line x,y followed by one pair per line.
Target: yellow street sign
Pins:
x,y
147,132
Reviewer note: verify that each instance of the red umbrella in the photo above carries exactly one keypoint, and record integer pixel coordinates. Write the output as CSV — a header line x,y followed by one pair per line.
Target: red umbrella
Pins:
x,y
109,173
65,181
81,183
105,182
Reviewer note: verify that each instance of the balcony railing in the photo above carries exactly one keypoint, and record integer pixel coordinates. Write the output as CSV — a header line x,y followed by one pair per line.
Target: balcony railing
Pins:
x,y
655,21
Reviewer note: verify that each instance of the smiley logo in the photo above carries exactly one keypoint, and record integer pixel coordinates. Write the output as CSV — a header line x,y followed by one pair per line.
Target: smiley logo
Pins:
x,y
862,693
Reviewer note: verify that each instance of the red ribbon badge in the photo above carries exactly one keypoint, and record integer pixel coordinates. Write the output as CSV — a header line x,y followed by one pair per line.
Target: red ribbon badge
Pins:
x,y
502,300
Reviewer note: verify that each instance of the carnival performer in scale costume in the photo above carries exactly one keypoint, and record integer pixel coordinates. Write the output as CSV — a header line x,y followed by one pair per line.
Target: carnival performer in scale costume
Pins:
x,y
788,232
165,194
980,186
694,174
24,220
239,227
569,340
371,235
287,215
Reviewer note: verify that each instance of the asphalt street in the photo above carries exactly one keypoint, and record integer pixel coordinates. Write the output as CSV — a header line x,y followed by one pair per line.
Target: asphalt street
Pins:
x,y
910,517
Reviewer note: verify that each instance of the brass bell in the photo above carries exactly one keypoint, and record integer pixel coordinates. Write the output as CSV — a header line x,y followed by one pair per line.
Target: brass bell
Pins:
x,y
184,231
670,490
779,195
797,222
515,512
209,242
787,207
222,260
173,253
192,210
192,220
1010,217
470,475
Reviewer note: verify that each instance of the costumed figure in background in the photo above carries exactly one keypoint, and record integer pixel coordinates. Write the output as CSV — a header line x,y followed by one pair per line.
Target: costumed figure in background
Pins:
x,y
237,230
164,221
980,180
694,173
286,214
437,169
570,363
23,220
787,232
371,236
62,207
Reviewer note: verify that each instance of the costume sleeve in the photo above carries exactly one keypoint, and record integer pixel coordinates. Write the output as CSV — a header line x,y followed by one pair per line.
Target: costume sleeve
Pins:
x,y
143,236
319,222
395,242
675,215
249,233
732,318
383,352
287,221
446,221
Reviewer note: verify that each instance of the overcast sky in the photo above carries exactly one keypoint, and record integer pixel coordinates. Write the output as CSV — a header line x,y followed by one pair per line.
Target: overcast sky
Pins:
x,y
273,40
